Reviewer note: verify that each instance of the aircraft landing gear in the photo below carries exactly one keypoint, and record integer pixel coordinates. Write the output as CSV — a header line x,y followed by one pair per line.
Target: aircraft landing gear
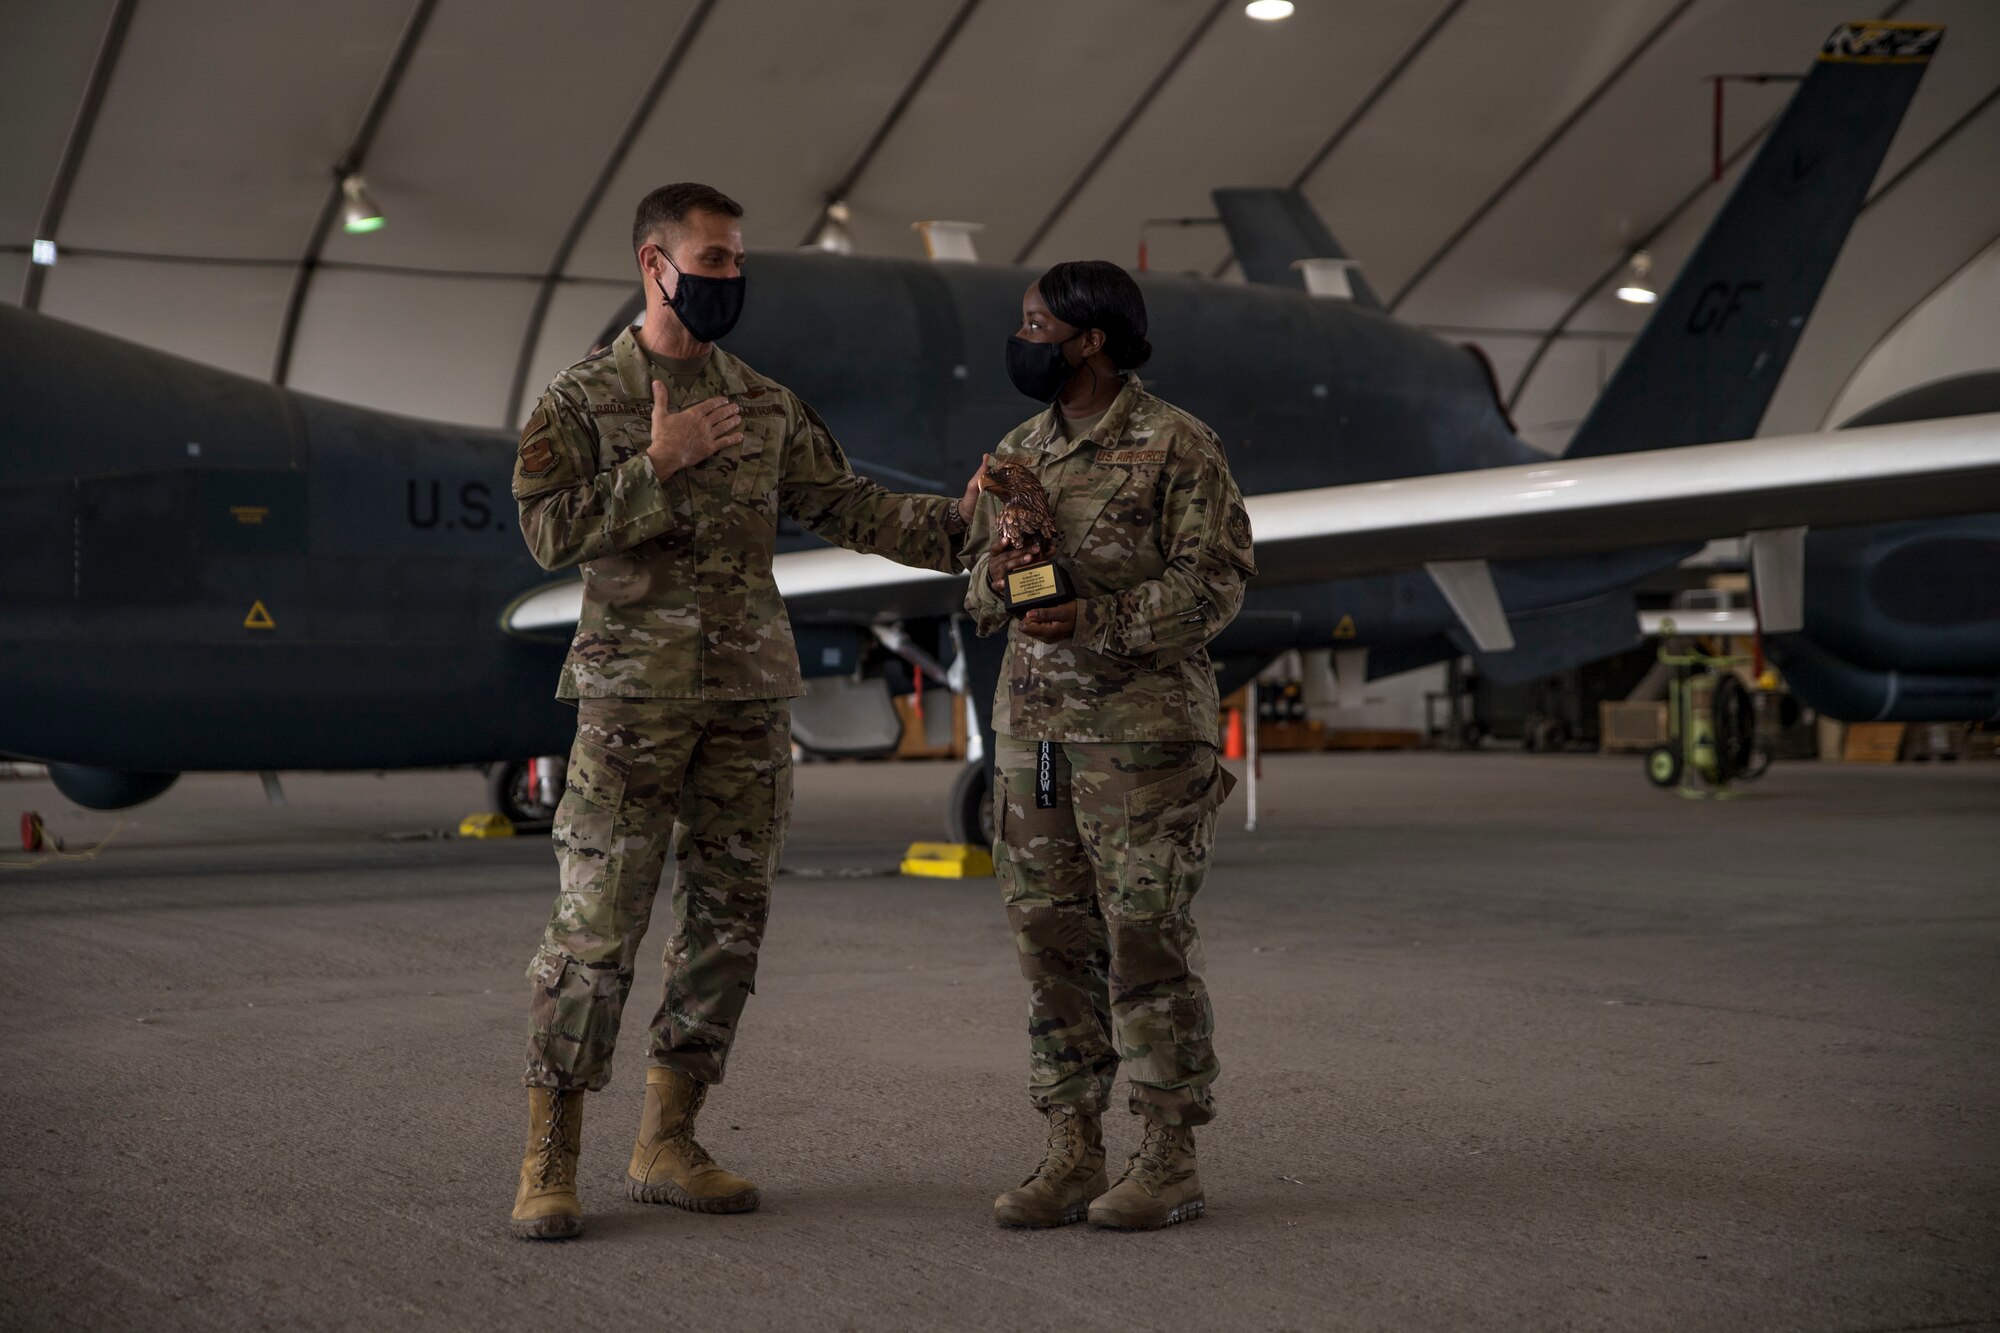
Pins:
x,y
520,789
970,813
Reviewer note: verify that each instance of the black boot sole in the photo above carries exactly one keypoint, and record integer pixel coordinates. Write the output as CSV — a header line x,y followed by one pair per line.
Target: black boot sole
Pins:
x,y
1190,1211
674,1196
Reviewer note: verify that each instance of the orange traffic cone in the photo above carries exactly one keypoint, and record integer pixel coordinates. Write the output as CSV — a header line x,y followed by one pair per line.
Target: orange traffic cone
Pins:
x,y
1232,741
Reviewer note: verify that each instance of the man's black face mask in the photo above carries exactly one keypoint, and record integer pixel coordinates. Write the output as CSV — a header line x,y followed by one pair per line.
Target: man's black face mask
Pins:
x,y
708,308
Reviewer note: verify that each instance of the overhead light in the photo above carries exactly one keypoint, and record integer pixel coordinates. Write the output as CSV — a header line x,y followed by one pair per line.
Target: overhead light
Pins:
x,y
1269,10
358,212
1636,289
833,234
43,253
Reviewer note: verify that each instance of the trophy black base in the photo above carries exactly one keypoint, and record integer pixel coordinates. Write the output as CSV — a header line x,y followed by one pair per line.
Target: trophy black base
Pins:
x,y
1044,583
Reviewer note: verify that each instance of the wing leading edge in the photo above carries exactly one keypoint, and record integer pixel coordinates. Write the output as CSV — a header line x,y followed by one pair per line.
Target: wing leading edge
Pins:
x,y
1910,470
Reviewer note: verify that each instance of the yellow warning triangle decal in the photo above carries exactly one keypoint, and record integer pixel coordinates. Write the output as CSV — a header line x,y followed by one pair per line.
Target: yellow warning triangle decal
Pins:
x,y
1345,629
259,618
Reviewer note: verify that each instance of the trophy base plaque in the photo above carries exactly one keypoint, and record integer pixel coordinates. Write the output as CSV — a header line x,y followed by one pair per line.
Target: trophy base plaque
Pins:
x,y
1041,584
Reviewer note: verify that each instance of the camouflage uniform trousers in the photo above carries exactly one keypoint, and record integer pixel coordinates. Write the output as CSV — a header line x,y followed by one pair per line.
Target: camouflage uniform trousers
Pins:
x,y
1098,891
724,772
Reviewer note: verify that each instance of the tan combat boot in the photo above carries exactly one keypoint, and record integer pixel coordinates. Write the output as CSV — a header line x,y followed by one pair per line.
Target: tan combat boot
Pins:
x,y
546,1206
1159,1187
668,1166
1070,1176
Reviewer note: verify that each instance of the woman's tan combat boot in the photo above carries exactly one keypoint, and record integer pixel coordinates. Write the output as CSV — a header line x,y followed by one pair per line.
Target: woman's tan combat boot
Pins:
x,y
668,1166
1070,1176
546,1206
1159,1187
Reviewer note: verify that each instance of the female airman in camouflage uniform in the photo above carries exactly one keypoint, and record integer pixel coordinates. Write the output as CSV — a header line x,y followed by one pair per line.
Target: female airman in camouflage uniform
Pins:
x,y
1107,774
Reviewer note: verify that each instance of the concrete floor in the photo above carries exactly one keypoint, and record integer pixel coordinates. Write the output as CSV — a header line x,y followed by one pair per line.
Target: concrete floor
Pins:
x,y
1509,1042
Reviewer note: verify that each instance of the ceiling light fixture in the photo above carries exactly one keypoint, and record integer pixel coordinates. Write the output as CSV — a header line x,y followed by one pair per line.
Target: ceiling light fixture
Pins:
x,y
359,214
1270,11
834,237
43,253
1636,289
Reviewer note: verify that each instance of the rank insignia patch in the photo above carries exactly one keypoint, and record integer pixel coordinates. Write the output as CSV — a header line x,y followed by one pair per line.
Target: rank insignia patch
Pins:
x,y
537,454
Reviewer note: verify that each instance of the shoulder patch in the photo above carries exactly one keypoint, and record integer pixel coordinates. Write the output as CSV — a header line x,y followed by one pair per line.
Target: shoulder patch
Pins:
x,y
537,457
1239,527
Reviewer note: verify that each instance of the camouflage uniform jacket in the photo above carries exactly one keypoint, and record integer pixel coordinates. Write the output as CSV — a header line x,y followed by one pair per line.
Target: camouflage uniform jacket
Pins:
x,y
1157,543
679,601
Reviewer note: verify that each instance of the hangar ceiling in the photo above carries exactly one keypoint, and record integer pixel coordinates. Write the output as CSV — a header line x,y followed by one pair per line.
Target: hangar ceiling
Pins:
x,y
1490,162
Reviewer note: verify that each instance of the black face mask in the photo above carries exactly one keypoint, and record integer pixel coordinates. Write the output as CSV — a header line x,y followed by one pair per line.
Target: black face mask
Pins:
x,y
708,308
1038,369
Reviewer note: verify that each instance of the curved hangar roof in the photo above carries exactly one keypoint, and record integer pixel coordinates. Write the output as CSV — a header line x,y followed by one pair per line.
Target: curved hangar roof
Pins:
x,y
1490,162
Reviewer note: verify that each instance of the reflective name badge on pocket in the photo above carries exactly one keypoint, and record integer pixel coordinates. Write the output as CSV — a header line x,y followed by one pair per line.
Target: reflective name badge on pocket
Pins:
x,y
1045,776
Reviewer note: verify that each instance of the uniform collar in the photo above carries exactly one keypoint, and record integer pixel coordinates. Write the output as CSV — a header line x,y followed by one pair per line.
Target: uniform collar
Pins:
x,y
636,370
1111,426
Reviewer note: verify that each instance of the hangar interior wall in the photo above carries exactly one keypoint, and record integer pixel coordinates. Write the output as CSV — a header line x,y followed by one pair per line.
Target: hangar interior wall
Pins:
x,y
1490,162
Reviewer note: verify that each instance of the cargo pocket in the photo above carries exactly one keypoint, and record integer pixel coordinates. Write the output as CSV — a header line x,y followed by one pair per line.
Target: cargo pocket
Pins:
x,y
781,804
1169,828
573,1020
586,825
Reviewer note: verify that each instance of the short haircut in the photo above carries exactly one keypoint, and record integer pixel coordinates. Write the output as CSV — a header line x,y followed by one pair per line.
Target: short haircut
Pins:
x,y
1097,294
669,206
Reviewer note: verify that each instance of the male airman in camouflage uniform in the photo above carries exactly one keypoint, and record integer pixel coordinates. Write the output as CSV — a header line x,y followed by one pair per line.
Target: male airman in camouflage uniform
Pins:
x,y
1108,781
661,465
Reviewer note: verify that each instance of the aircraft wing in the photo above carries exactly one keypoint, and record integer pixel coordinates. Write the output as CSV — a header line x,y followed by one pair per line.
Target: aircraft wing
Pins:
x,y
1926,469
1453,523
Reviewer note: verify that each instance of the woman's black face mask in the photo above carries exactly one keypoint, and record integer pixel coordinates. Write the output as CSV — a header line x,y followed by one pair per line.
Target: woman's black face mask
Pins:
x,y
708,308
1038,369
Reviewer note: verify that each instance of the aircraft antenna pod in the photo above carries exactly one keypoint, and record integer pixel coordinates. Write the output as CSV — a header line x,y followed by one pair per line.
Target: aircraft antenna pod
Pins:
x,y
949,242
1331,278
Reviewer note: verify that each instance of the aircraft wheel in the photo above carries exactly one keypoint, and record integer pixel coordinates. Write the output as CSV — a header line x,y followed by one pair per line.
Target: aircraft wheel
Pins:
x,y
1663,765
1470,734
510,790
969,818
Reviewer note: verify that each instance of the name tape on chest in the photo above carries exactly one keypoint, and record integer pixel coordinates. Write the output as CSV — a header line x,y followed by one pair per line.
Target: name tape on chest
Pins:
x,y
1131,457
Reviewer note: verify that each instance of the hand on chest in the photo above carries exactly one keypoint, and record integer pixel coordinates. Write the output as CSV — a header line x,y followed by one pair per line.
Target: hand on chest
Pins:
x,y
745,472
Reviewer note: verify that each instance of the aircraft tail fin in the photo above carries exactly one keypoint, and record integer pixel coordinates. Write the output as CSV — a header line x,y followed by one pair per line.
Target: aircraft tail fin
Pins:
x,y
1706,364
1270,230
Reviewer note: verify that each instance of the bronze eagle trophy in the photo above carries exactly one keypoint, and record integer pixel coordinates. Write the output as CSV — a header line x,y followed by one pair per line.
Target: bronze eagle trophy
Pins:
x,y
1027,522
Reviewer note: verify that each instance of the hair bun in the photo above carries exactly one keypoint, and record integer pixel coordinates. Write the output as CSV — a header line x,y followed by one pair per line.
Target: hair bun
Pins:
x,y
1133,351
